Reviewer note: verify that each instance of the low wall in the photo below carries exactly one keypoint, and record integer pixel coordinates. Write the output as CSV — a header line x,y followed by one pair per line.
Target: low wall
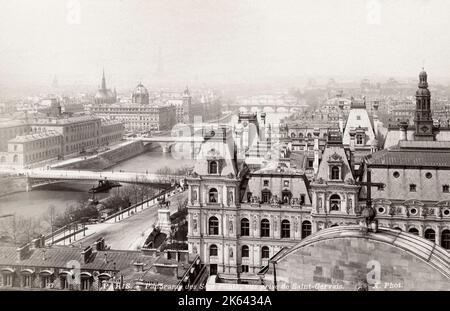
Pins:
x,y
108,158
12,184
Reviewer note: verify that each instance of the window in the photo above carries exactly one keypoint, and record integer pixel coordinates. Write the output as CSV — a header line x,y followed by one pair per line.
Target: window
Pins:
x,y
244,268
285,229
413,231
430,235
212,269
412,188
358,118
396,174
292,135
86,283
335,173
306,229
335,202
266,195
245,251
359,139
302,199
213,251
445,239
265,228
286,183
64,284
445,188
245,227
213,168
428,175
213,195
310,163
265,252
213,226
266,183
286,194
7,279
26,280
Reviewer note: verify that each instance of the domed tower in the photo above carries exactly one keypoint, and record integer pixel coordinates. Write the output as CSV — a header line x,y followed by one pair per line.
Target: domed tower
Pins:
x,y
423,121
140,95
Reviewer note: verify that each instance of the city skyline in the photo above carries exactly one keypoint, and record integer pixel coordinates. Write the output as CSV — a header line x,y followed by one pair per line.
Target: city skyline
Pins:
x,y
190,42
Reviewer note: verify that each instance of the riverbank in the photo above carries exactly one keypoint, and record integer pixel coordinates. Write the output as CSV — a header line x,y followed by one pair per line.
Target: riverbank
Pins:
x,y
105,159
12,184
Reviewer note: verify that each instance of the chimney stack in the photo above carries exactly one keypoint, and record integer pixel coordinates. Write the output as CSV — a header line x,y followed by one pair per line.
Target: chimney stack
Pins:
x,y
403,130
86,254
23,251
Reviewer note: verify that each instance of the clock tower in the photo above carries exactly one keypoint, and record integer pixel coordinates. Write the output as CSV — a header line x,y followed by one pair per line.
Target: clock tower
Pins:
x,y
423,120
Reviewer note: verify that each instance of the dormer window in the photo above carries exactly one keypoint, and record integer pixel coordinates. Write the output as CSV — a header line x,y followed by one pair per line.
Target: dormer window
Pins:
x,y
213,168
335,173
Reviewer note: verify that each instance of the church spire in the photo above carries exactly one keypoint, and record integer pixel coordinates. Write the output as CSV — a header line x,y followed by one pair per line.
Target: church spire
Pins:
x,y
103,80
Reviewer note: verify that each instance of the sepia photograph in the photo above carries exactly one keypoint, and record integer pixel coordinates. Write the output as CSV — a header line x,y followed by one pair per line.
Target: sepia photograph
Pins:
x,y
239,146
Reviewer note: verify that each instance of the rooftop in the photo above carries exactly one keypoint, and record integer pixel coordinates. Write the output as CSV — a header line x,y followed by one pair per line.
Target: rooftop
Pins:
x,y
63,121
414,154
34,137
57,257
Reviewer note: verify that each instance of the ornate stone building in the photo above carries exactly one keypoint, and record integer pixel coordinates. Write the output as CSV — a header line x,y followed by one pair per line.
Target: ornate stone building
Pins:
x,y
333,190
416,174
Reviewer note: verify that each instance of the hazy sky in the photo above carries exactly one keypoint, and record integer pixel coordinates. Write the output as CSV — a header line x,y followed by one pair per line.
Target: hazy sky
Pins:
x,y
226,39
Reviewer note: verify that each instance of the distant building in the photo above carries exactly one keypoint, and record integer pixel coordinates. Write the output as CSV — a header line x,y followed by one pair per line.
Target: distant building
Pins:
x,y
10,129
105,95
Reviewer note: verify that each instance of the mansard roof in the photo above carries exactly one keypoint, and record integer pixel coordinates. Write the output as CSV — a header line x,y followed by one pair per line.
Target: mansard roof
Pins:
x,y
333,155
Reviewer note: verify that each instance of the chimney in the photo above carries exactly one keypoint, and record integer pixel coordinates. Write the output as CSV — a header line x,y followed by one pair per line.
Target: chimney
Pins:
x,y
403,130
22,252
86,254
99,245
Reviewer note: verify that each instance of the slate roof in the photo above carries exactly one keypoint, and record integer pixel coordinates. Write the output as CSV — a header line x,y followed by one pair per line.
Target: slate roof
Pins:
x,y
57,257
411,157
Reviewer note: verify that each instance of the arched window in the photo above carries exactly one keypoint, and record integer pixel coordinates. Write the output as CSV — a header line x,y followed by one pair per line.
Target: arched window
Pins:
x,y
16,158
265,228
213,195
445,239
335,173
245,251
265,196
285,229
245,227
335,202
213,167
213,251
265,252
213,226
292,135
430,235
413,231
306,229
397,228
300,135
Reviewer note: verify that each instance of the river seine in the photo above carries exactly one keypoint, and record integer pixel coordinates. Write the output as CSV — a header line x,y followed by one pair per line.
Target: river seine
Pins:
x,y
62,195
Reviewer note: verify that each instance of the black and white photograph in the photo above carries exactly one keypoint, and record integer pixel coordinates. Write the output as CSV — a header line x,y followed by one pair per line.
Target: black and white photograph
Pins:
x,y
240,146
